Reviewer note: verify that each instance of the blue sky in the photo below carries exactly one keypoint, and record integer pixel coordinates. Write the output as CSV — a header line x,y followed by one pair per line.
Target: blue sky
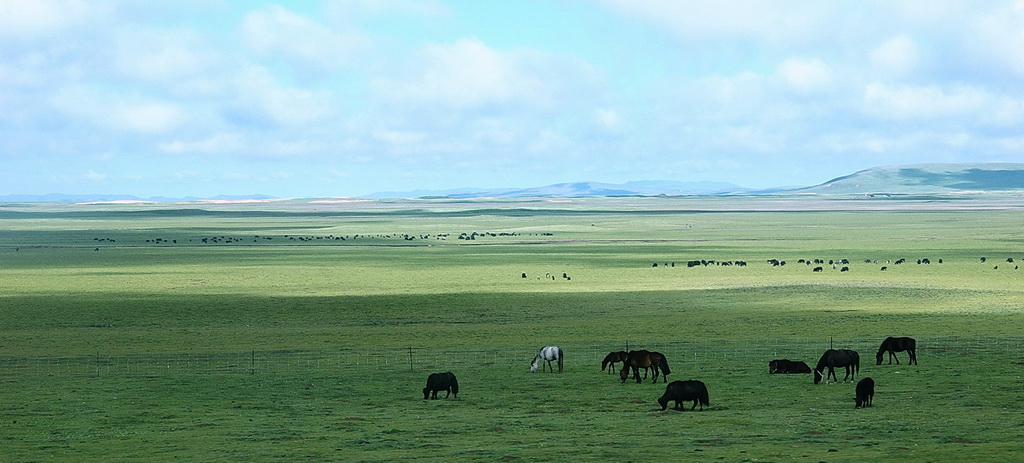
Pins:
x,y
351,97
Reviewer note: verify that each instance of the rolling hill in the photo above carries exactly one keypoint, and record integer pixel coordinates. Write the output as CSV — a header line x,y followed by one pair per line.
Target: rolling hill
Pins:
x,y
927,179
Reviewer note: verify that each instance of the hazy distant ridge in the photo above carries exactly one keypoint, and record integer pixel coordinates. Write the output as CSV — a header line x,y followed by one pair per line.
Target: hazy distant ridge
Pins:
x,y
896,180
578,189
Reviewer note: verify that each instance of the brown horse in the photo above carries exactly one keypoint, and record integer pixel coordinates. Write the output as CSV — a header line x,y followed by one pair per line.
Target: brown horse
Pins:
x,y
638,359
611,359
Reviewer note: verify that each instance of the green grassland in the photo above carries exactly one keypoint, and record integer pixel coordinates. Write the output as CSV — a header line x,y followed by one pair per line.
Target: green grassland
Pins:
x,y
378,294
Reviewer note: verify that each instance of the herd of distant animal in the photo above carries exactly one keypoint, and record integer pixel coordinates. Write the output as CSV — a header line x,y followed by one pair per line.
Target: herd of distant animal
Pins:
x,y
696,391
819,265
816,265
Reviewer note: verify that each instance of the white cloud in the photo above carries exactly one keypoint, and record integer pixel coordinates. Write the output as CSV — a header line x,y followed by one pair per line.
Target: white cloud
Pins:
x,y
715,98
440,88
165,57
119,113
999,36
806,75
898,56
276,30
1005,112
470,74
341,10
29,19
259,96
399,137
768,22
226,143
464,74
608,118
910,102
146,117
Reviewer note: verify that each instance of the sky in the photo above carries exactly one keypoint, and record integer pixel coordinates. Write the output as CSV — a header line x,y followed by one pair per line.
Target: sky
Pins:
x,y
342,98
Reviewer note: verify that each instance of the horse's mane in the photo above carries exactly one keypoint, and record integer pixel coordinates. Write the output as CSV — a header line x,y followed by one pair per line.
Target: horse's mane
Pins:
x,y
664,365
823,361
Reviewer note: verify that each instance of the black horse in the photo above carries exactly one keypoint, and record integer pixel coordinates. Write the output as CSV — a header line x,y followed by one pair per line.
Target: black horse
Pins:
x,y
837,358
865,392
638,359
893,345
681,391
787,366
441,382
611,359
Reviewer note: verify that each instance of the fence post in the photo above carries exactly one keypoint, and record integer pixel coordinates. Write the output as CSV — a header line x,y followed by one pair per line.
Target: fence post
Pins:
x,y
410,358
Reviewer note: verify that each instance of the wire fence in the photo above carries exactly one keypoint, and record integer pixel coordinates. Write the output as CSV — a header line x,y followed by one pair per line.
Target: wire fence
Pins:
x,y
257,362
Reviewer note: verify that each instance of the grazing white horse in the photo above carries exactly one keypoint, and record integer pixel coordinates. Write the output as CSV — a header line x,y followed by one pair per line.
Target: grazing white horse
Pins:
x,y
547,354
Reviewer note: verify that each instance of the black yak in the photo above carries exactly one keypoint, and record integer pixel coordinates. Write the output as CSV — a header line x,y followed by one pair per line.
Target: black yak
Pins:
x,y
865,392
441,382
680,391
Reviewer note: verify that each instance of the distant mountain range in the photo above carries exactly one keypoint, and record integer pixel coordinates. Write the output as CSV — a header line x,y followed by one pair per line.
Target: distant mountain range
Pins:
x,y
890,180
578,189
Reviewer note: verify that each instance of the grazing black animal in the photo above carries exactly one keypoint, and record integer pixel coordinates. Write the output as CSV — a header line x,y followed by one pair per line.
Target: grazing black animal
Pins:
x,y
611,359
638,359
893,345
787,366
865,392
837,358
441,382
681,391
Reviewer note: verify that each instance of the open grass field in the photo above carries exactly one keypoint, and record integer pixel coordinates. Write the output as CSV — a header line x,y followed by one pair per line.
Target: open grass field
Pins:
x,y
305,330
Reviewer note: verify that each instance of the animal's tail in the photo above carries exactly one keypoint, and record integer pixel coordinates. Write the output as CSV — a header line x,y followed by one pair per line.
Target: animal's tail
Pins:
x,y
664,366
